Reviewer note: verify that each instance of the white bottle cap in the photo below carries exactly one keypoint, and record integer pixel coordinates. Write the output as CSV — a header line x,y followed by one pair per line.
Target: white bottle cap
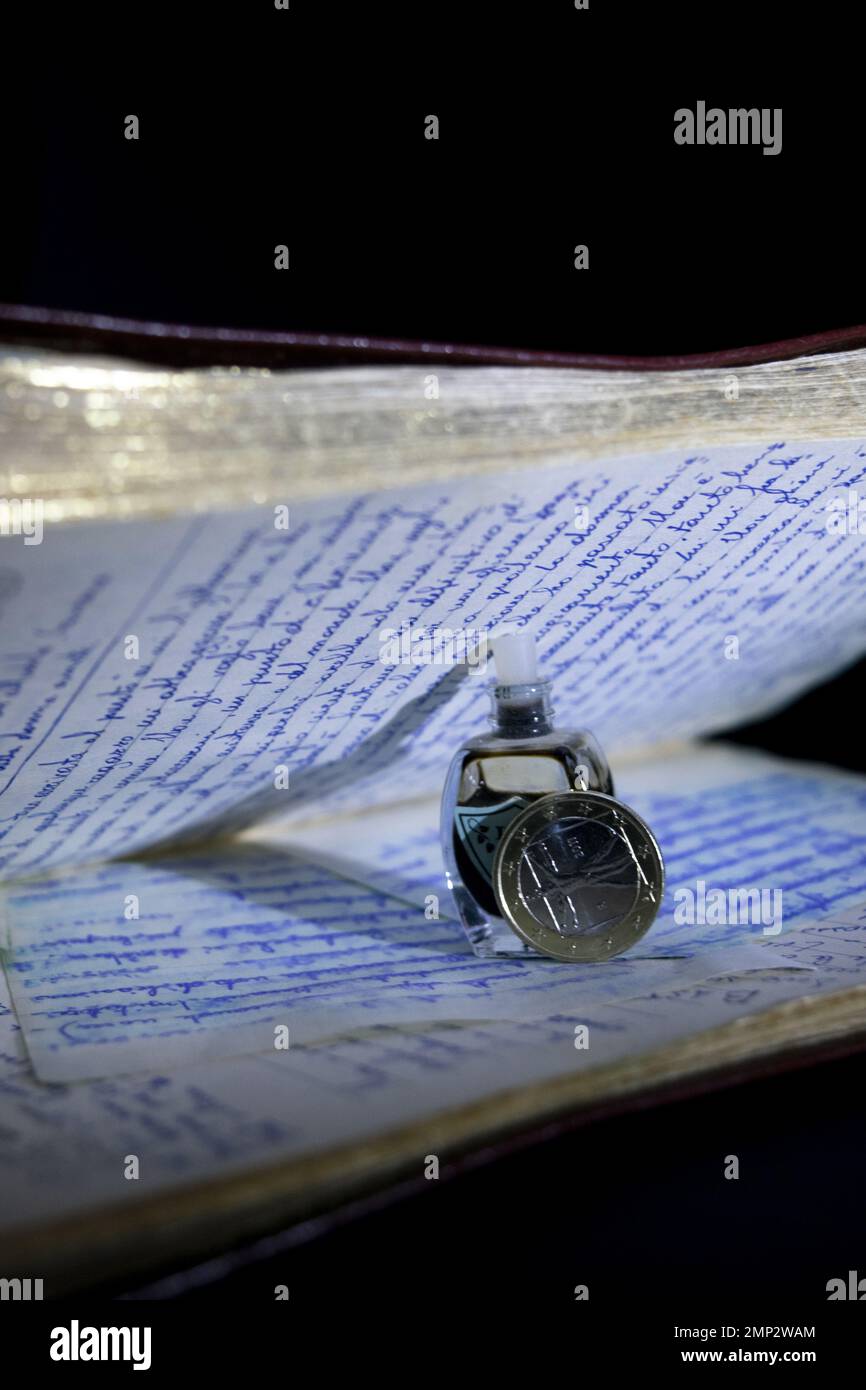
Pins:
x,y
515,659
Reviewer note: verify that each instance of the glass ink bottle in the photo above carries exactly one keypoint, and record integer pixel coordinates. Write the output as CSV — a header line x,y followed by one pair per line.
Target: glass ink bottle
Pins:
x,y
541,858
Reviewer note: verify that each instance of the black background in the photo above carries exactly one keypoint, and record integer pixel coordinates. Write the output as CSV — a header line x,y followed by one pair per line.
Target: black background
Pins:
x,y
306,127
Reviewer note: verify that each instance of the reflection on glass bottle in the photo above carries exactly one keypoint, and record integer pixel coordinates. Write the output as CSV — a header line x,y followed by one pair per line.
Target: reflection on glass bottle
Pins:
x,y
496,776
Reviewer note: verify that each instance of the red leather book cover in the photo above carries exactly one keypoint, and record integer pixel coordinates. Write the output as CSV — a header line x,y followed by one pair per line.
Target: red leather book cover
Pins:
x,y
189,345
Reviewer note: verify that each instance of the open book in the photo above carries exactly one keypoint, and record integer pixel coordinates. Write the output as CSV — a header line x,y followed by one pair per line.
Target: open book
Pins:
x,y
229,947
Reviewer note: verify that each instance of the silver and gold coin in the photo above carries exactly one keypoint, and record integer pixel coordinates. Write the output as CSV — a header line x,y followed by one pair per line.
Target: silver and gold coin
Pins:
x,y
579,876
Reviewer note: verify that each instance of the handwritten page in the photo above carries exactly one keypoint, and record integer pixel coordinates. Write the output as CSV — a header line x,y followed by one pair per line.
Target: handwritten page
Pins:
x,y
240,950
168,678
63,1148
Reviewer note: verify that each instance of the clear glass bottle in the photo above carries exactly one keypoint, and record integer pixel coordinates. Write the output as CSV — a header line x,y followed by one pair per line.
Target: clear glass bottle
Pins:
x,y
495,776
